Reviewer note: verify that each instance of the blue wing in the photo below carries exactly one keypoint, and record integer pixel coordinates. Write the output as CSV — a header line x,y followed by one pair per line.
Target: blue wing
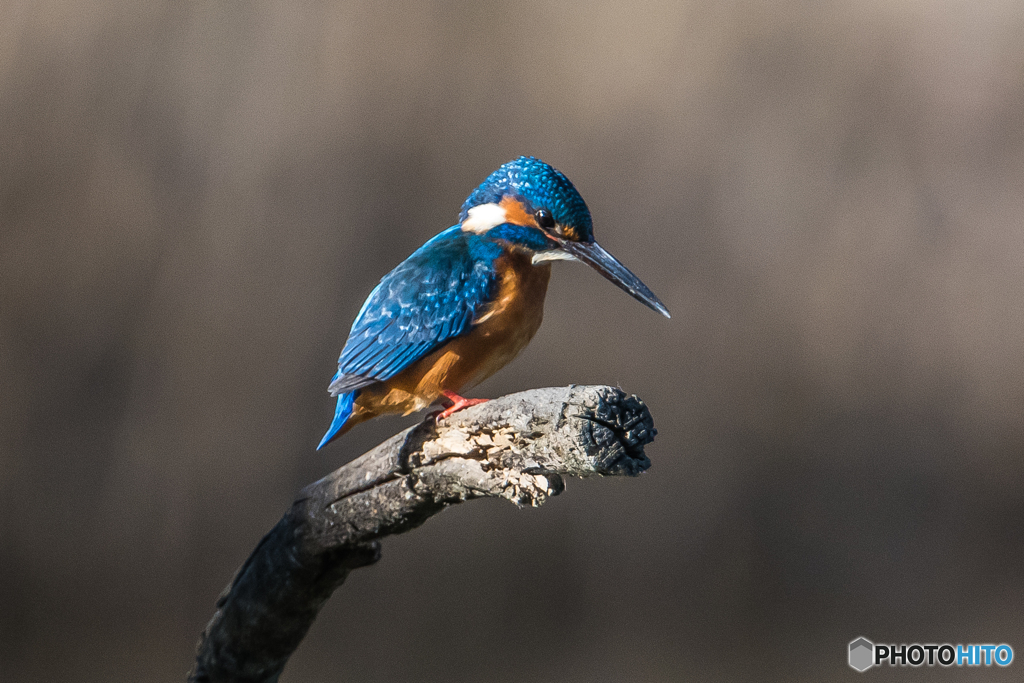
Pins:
x,y
431,297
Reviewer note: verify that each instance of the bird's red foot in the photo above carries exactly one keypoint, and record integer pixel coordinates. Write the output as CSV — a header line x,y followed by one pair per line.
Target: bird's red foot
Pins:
x,y
458,403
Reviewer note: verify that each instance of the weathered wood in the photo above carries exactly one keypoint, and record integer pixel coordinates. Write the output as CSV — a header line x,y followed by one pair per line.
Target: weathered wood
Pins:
x,y
516,447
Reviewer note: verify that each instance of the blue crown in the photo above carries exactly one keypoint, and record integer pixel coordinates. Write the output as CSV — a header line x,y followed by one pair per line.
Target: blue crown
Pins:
x,y
540,185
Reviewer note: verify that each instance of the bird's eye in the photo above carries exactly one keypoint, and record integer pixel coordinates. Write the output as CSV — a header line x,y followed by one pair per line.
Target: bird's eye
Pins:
x,y
544,219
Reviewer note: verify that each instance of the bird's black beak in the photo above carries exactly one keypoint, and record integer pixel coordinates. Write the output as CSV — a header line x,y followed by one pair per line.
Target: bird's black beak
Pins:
x,y
594,255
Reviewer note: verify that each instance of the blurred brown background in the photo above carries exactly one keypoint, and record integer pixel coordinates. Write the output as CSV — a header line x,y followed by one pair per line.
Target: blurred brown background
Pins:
x,y
195,198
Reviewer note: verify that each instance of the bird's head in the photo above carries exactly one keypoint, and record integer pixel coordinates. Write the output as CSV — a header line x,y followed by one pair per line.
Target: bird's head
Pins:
x,y
531,206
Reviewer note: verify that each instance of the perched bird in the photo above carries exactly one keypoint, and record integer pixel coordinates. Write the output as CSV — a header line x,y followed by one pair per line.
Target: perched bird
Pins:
x,y
470,299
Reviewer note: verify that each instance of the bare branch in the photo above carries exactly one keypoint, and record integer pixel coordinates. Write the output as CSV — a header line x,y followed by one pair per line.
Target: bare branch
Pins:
x,y
516,447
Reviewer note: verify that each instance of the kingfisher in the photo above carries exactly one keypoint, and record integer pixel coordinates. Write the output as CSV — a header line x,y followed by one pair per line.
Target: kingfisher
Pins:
x,y
470,299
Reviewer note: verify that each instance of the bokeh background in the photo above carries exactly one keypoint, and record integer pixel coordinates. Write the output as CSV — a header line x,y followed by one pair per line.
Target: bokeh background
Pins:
x,y
195,198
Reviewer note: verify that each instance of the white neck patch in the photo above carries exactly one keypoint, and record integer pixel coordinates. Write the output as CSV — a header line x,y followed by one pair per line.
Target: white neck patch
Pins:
x,y
482,218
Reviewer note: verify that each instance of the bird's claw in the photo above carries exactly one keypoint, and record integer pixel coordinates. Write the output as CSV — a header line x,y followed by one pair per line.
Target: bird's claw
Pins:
x,y
458,403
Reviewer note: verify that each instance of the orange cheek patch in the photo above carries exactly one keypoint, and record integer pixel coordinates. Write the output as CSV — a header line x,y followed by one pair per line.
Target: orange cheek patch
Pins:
x,y
515,213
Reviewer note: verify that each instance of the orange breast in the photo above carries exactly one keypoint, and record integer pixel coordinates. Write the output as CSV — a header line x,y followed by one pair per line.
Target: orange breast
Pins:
x,y
509,323
498,335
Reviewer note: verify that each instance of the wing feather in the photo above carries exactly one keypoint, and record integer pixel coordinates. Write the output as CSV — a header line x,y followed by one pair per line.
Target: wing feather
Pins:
x,y
431,297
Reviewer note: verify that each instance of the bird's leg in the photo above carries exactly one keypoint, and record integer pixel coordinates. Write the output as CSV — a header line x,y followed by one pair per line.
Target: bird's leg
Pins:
x,y
458,403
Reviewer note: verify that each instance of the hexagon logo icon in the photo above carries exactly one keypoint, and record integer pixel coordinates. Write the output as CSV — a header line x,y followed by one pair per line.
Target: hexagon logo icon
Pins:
x,y
862,654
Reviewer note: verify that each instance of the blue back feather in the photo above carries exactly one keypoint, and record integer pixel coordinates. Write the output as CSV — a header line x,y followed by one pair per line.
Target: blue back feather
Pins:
x,y
431,297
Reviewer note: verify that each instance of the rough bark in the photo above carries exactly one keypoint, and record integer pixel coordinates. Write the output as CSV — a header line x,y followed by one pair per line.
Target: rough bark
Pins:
x,y
516,447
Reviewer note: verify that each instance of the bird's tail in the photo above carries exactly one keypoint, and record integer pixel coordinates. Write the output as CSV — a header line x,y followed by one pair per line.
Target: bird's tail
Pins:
x,y
341,414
